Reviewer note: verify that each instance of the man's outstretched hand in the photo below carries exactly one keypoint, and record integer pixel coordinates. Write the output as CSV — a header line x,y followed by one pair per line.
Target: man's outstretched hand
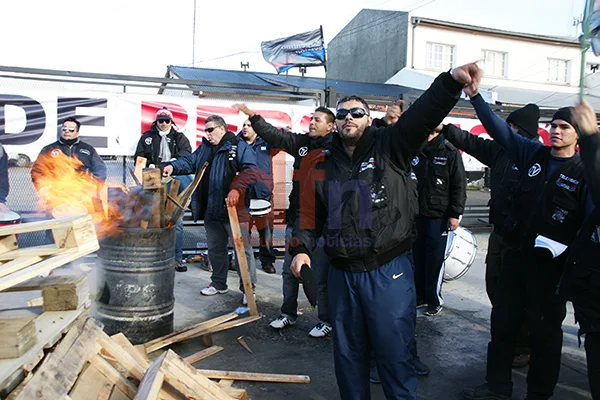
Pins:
x,y
244,108
470,76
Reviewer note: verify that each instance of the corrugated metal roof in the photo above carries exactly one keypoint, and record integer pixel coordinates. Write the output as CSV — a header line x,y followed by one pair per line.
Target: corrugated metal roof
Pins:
x,y
275,80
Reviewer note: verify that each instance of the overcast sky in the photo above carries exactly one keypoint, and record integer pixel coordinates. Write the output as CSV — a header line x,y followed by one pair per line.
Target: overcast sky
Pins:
x,y
142,37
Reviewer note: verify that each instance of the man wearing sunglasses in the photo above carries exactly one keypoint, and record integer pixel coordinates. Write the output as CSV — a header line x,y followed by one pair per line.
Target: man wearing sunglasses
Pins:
x,y
70,145
231,168
365,210
302,147
163,143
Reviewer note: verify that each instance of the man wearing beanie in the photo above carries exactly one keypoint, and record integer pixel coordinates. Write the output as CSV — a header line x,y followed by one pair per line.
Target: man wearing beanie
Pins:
x,y
163,143
504,178
545,213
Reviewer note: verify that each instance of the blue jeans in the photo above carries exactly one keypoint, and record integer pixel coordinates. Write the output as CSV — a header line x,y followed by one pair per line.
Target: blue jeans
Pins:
x,y
185,181
374,310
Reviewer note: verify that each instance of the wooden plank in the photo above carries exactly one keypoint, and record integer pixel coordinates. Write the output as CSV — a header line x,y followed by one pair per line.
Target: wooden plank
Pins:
x,y
120,382
254,376
122,356
89,382
236,234
172,195
117,394
201,355
54,378
206,340
8,243
18,264
153,379
187,333
13,395
140,164
151,178
82,231
225,383
66,296
37,302
157,209
39,283
188,381
49,327
105,391
185,196
36,226
47,265
41,251
18,336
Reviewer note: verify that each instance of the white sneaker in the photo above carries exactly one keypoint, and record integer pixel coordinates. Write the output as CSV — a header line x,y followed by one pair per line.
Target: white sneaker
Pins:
x,y
282,321
211,291
245,299
322,329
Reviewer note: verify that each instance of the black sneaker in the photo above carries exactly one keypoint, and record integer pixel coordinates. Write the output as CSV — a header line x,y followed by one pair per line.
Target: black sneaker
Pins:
x,y
420,367
269,268
483,392
430,311
180,267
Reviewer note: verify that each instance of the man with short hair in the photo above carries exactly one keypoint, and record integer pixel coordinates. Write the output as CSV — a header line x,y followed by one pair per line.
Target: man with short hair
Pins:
x,y
547,211
302,147
392,114
160,144
504,178
70,145
360,199
230,171
442,187
262,190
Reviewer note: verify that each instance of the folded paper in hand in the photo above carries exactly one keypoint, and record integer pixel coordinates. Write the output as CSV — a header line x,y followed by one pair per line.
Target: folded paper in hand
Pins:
x,y
553,246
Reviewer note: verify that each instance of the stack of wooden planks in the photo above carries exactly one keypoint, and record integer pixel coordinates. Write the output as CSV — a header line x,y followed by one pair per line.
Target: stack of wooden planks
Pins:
x,y
88,364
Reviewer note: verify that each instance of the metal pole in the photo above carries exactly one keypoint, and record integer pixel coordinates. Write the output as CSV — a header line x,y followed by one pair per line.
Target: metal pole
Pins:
x,y
585,43
194,38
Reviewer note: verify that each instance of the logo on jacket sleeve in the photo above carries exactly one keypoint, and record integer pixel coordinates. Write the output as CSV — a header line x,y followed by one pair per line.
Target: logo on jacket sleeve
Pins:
x,y
560,214
148,141
263,148
415,161
440,160
534,170
302,151
85,151
55,152
514,167
367,165
566,182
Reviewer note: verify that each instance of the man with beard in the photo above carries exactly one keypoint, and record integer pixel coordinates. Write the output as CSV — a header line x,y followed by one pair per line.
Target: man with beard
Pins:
x,y
360,199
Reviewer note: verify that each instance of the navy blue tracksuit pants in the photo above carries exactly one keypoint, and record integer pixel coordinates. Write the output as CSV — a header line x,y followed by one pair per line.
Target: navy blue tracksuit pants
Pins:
x,y
428,251
374,310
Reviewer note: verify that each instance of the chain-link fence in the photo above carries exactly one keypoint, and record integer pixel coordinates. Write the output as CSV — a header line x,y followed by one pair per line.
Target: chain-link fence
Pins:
x,y
24,200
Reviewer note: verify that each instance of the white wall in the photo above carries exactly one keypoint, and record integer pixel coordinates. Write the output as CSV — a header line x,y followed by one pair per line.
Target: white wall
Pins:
x,y
527,61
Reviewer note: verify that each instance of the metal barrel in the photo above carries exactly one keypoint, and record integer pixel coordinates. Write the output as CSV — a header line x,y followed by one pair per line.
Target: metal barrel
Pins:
x,y
136,281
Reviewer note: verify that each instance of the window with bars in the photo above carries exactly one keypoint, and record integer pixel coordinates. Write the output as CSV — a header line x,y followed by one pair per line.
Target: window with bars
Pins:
x,y
558,70
494,63
439,56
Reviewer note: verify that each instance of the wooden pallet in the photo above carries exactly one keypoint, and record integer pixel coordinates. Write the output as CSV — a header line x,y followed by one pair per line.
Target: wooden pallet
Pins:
x,y
74,237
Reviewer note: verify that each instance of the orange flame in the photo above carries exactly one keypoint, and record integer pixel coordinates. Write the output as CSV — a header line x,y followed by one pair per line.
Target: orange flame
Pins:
x,y
66,188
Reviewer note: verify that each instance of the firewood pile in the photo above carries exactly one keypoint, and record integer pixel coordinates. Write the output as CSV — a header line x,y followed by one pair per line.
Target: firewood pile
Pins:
x,y
153,202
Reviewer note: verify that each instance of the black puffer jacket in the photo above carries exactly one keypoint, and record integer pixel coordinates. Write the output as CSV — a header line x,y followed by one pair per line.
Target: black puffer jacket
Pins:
x,y
365,207
149,145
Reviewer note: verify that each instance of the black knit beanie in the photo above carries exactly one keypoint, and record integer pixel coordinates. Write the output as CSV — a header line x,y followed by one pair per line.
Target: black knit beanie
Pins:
x,y
565,114
526,118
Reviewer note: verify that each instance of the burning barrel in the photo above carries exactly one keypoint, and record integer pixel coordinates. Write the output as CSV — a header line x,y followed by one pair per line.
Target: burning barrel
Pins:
x,y
137,282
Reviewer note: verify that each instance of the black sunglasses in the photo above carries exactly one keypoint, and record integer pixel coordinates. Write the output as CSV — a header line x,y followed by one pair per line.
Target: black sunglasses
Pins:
x,y
166,121
209,130
64,129
356,113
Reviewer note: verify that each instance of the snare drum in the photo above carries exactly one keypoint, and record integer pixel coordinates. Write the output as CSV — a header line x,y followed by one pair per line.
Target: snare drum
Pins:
x,y
461,250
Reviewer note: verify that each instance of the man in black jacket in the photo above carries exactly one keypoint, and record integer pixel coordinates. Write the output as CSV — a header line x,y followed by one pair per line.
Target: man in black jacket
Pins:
x,y
161,144
359,200
504,178
581,280
442,186
548,209
4,185
302,147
